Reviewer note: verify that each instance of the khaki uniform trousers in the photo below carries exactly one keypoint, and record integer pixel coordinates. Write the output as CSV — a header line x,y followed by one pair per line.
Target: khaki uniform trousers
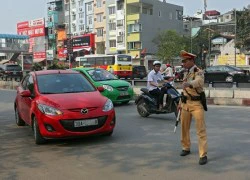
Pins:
x,y
193,109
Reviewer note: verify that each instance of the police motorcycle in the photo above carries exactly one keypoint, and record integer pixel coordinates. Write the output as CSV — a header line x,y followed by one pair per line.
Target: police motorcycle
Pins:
x,y
147,104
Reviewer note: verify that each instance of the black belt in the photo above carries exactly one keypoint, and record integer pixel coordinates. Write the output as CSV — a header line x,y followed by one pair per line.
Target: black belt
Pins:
x,y
193,98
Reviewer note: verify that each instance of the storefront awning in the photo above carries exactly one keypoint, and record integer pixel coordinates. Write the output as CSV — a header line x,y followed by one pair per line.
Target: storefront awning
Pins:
x,y
38,60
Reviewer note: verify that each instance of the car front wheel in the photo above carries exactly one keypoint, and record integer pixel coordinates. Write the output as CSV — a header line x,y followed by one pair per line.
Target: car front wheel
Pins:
x,y
37,135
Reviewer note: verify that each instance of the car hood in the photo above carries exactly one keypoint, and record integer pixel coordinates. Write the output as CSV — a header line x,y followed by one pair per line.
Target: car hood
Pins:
x,y
73,100
114,83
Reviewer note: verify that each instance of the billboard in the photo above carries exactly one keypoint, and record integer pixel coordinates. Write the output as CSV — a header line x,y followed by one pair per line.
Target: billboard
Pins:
x,y
35,29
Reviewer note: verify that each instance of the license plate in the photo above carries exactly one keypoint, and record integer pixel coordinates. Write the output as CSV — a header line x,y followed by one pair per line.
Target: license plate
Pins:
x,y
123,93
83,123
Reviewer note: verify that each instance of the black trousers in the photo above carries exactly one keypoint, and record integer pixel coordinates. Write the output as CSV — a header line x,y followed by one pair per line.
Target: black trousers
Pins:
x,y
158,94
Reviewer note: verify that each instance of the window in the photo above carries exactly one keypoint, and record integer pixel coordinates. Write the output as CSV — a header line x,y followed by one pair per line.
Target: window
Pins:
x,y
98,3
112,26
178,15
171,15
81,27
99,32
112,43
159,13
120,23
99,17
89,6
134,28
120,39
112,10
81,2
90,20
134,45
81,15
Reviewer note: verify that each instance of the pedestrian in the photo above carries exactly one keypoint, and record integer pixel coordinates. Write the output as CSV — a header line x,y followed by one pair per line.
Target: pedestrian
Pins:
x,y
191,106
154,80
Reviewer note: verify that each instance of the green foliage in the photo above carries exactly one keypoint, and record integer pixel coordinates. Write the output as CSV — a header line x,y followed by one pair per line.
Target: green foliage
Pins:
x,y
56,65
169,45
243,29
36,67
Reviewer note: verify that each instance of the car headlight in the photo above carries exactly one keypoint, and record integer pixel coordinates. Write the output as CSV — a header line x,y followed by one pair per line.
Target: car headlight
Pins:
x,y
49,110
107,87
108,106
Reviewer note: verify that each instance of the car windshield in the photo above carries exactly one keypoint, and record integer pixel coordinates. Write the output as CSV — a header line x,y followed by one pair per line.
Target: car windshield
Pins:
x,y
13,68
63,83
101,75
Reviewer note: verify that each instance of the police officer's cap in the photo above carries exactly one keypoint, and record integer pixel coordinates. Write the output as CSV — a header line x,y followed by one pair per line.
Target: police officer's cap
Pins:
x,y
187,56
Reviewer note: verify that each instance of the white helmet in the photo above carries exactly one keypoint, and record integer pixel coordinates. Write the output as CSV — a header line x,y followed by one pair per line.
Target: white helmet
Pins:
x,y
156,63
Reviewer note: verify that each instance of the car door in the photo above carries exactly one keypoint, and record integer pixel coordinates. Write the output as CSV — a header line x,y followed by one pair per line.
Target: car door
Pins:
x,y
27,101
221,73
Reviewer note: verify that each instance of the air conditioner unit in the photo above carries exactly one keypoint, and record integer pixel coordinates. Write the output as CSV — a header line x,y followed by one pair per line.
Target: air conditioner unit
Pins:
x,y
73,12
110,21
80,9
75,34
72,1
73,24
120,33
81,21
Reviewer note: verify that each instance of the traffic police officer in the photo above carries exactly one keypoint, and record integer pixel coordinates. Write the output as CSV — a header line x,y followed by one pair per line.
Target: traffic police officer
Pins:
x,y
191,106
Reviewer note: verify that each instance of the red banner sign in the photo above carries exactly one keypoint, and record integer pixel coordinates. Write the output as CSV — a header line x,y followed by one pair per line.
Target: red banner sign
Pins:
x,y
39,55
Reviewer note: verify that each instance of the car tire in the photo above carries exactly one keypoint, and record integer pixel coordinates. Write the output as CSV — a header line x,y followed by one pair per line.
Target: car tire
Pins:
x,y
37,135
141,108
229,79
19,121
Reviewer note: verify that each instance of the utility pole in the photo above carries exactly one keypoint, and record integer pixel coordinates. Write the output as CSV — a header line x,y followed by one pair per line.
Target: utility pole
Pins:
x,y
235,29
69,41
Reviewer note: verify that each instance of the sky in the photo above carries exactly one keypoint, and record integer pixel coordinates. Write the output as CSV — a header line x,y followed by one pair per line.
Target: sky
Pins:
x,y
14,11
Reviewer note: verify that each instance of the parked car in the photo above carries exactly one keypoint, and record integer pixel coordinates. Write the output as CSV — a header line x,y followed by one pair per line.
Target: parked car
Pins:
x,y
10,71
62,104
225,73
117,90
139,72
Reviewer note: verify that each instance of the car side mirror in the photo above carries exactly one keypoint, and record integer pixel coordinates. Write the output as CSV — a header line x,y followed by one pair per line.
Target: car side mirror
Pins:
x,y
25,93
100,89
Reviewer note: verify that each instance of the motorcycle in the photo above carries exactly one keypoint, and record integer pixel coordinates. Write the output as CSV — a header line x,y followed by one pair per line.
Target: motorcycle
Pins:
x,y
147,104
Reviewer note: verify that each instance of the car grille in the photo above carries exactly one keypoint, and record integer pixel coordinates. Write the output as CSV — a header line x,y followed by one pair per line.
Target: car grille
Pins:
x,y
69,125
123,97
122,88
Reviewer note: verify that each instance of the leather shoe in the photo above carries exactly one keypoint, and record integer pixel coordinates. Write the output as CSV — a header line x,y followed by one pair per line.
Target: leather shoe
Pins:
x,y
184,153
203,160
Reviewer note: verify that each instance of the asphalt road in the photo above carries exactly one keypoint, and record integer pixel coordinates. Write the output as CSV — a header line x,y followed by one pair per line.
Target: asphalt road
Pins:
x,y
140,148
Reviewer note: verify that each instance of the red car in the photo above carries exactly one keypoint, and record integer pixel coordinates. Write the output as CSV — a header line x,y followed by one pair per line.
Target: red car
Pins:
x,y
61,104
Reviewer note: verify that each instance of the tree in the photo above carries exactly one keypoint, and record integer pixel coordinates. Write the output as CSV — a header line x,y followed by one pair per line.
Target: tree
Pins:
x,y
243,29
169,45
36,67
56,65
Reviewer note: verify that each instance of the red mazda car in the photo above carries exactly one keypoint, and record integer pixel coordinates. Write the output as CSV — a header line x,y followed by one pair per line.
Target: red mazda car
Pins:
x,y
61,104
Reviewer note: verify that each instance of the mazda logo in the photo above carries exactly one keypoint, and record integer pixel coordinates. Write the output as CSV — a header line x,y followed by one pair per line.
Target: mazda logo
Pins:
x,y
84,111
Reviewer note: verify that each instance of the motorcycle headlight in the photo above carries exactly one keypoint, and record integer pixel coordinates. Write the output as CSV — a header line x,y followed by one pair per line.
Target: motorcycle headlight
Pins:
x,y
108,106
49,110
107,87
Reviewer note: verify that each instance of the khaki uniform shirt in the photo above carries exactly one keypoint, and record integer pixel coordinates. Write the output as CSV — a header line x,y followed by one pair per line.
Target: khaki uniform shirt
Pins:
x,y
195,77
